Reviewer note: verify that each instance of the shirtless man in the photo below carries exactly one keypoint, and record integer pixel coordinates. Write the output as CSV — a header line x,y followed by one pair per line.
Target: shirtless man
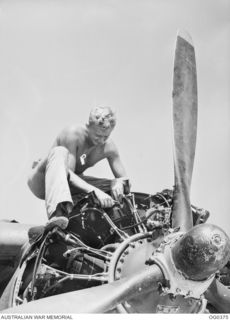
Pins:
x,y
75,149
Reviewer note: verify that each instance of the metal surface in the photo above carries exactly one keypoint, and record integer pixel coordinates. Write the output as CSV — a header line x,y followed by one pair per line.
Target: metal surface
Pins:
x,y
218,296
185,128
201,252
130,258
12,238
95,300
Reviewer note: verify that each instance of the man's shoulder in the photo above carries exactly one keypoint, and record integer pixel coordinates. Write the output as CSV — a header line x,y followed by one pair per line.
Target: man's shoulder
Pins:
x,y
110,148
72,133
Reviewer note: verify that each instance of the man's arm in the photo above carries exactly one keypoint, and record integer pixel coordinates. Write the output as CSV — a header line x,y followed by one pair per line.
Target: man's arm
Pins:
x,y
115,162
105,200
118,170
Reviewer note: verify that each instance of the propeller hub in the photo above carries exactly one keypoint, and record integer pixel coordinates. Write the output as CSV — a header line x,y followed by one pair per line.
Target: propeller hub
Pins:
x,y
201,252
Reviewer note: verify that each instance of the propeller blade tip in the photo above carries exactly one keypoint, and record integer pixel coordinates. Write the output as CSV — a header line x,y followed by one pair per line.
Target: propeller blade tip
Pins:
x,y
185,35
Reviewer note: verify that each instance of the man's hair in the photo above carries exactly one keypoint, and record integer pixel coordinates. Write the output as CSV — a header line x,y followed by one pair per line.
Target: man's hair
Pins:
x,y
102,117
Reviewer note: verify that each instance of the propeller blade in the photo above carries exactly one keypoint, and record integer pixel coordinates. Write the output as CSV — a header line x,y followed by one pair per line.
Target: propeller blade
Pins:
x,y
185,129
219,296
97,299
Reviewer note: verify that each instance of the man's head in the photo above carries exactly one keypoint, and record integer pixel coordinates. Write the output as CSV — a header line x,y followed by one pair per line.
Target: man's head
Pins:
x,y
102,121
102,117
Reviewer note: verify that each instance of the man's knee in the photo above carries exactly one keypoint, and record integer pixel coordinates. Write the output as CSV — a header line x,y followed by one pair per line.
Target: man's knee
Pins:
x,y
36,183
58,156
59,151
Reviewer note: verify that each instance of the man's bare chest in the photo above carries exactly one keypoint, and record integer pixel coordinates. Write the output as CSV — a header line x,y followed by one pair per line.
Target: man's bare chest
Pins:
x,y
88,157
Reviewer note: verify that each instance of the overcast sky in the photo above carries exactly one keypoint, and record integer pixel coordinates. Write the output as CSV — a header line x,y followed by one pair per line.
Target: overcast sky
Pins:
x,y
60,58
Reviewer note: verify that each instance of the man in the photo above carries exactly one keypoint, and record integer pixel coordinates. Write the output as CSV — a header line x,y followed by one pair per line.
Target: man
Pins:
x,y
75,149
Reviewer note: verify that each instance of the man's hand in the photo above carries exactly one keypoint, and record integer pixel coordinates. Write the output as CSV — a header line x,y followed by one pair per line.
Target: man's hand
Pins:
x,y
117,188
105,200
35,163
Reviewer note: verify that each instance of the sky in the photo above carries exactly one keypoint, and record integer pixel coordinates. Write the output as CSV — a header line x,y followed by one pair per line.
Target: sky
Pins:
x,y
60,58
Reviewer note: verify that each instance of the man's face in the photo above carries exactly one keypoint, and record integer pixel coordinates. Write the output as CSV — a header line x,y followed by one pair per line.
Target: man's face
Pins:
x,y
97,135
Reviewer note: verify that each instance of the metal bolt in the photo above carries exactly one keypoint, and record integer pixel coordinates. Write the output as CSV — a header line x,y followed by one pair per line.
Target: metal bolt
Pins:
x,y
166,289
188,294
